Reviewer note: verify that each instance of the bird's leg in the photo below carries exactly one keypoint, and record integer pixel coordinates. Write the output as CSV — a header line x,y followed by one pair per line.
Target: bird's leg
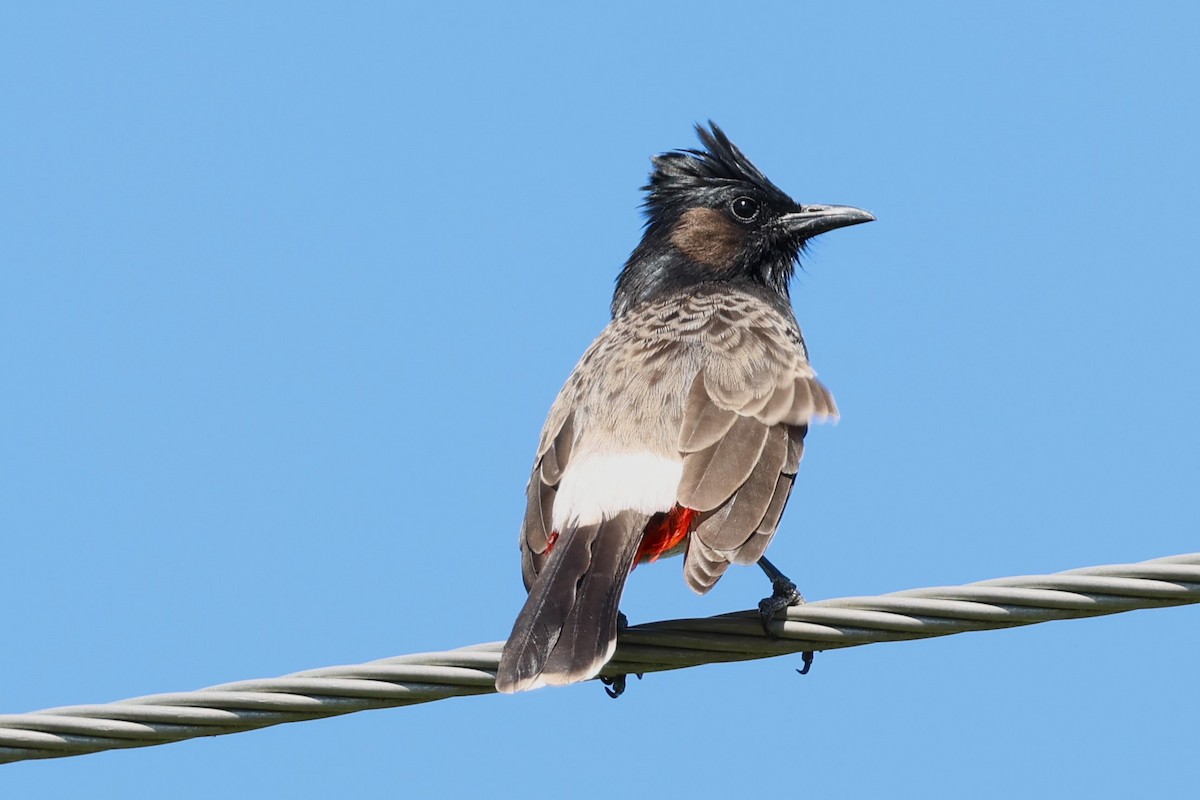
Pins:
x,y
614,687
783,594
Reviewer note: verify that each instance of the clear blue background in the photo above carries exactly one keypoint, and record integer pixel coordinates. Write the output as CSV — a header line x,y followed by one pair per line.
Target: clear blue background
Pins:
x,y
286,291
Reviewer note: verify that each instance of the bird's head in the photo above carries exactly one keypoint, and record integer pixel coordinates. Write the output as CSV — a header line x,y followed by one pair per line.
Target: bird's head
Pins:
x,y
713,217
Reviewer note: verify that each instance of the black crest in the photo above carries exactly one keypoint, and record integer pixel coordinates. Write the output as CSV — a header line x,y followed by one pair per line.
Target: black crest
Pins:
x,y
680,175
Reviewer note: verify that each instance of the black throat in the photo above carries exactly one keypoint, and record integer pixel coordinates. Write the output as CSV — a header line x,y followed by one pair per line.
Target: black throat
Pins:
x,y
657,268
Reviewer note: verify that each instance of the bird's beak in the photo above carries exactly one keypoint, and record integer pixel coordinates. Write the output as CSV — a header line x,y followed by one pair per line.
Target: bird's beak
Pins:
x,y
808,221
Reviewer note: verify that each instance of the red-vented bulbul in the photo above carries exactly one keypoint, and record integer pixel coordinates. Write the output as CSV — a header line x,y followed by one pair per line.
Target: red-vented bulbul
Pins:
x,y
681,428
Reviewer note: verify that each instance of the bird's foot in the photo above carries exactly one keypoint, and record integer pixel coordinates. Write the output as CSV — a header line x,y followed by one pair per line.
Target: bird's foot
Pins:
x,y
614,687
784,594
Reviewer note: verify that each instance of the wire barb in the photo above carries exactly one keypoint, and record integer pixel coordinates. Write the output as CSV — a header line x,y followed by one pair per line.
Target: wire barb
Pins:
x,y
425,677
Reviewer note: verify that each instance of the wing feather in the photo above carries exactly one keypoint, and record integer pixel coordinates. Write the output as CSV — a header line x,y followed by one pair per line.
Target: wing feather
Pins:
x,y
711,476
739,471
704,422
535,531
749,503
554,459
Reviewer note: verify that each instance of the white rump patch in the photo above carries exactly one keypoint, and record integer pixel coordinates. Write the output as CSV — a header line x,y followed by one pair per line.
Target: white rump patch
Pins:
x,y
596,486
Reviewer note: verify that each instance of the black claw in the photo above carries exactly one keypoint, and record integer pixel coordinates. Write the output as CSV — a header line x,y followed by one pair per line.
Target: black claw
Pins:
x,y
807,657
614,687
783,595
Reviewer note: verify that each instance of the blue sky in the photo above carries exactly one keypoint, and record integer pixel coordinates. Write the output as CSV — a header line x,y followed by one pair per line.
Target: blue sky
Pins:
x,y
286,291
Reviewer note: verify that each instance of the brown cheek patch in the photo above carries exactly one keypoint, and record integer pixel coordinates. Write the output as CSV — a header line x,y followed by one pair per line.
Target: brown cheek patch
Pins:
x,y
707,237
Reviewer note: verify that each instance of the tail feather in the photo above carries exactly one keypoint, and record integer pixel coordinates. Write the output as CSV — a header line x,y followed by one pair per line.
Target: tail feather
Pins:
x,y
567,629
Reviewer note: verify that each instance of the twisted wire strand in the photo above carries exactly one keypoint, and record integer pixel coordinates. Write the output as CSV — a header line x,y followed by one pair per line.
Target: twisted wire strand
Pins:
x,y
425,677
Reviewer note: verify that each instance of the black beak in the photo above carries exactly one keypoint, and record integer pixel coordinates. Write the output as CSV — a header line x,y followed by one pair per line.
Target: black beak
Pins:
x,y
808,221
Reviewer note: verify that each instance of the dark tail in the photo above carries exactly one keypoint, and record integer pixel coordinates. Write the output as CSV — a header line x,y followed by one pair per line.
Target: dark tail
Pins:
x,y
567,629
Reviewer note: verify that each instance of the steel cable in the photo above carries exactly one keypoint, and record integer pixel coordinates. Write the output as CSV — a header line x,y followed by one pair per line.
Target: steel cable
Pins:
x,y
425,677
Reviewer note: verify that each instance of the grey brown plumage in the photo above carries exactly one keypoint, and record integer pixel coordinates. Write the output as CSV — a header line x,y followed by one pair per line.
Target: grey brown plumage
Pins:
x,y
697,396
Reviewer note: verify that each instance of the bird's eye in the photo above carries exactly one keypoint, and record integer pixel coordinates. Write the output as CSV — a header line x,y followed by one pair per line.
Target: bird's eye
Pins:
x,y
744,208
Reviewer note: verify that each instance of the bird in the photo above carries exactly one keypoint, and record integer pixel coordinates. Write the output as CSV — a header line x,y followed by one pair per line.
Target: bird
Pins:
x,y
681,428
